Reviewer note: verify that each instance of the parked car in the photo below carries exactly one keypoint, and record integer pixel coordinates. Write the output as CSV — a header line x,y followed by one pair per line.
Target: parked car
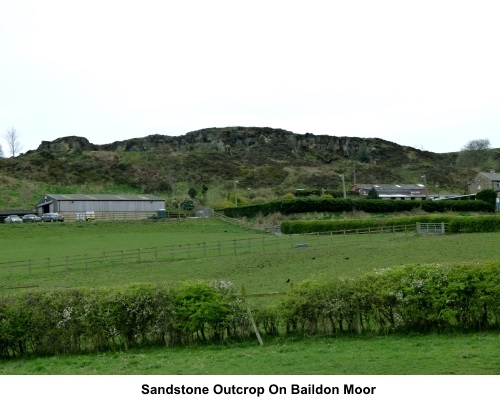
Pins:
x,y
31,218
52,217
11,219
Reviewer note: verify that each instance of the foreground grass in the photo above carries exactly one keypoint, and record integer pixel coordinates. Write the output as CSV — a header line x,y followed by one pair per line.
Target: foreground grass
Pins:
x,y
461,354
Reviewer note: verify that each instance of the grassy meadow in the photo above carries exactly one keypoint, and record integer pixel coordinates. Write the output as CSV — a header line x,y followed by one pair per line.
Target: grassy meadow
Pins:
x,y
462,354
264,271
260,271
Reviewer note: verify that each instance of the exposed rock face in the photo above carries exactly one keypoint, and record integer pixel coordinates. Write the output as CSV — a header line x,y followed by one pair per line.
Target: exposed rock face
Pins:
x,y
67,143
232,138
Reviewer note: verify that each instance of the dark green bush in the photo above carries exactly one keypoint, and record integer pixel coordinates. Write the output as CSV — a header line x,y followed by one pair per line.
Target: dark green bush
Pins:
x,y
301,205
488,195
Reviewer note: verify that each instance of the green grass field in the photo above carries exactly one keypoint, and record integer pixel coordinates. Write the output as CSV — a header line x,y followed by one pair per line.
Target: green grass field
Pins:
x,y
463,354
262,271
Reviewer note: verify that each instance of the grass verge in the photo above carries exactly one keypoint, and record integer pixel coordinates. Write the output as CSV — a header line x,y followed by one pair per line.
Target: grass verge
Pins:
x,y
442,354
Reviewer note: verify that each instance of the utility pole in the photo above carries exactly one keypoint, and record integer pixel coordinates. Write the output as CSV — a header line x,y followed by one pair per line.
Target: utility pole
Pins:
x,y
343,184
426,189
235,196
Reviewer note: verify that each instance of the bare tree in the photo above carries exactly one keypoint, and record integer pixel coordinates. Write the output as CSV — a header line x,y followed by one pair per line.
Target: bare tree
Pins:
x,y
13,142
474,153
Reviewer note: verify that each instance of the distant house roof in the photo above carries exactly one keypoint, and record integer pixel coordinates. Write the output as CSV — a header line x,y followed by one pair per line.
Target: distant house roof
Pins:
x,y
98,197
391,188
492,176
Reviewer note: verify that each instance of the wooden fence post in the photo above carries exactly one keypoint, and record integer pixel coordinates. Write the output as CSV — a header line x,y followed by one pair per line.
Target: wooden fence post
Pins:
x,y
254,325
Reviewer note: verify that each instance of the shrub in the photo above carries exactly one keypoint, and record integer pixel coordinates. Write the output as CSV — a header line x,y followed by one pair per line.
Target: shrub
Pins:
x,y
488,195
187,204
420,298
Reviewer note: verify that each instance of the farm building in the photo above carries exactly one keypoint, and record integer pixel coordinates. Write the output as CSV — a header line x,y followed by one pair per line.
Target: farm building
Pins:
x,y
104,206
394,192
485,181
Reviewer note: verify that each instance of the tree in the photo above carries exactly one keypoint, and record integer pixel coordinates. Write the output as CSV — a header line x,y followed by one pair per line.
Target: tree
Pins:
x,y
1,151
489,195
474,153
364,154
187,205
373,194
192,193
13,142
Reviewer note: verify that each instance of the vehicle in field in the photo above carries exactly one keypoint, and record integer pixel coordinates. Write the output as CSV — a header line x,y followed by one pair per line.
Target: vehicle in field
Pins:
x,y
12,219
52,217
85,216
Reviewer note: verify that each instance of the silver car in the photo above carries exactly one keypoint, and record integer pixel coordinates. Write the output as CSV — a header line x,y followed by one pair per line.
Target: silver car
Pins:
x,y
12,219
31,218
52,217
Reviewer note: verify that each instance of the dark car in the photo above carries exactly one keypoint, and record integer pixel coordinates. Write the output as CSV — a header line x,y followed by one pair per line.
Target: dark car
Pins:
x,y
31,218
52,217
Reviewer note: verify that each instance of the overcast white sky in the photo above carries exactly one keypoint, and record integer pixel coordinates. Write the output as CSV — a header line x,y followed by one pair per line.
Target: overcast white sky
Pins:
x,y
422,73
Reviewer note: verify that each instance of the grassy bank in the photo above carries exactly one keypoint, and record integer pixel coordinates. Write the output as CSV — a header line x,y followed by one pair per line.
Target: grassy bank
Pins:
x,y
461,354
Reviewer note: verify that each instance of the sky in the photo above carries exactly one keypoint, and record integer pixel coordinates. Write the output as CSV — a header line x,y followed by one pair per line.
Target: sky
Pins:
x,y
423,74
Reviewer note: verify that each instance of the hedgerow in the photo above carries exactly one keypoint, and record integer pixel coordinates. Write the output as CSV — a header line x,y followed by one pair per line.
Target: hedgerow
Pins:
x,y
477,223
301,205
420,298
89,320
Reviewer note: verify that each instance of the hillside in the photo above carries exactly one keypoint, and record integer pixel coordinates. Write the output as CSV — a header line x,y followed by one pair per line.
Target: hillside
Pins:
x,y
265,162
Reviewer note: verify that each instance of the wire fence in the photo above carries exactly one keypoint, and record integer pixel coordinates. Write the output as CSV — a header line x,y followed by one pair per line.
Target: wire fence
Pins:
x,y
261,244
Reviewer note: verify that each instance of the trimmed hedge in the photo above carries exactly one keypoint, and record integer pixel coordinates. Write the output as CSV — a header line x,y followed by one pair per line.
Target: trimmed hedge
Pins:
x,y
479,223
301,205
420,298
90,320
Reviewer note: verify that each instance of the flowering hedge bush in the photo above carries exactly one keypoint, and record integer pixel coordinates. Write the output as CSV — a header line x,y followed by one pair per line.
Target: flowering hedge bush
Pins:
x,y
78,320
421,298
